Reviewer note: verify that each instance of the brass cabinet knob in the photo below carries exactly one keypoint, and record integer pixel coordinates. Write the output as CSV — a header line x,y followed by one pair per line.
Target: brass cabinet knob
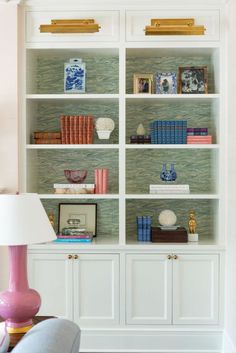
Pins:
x,y
69,257
175,257
169,257
76,257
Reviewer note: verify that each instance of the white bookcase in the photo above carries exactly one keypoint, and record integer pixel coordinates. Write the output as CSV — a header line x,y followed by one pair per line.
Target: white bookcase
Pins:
x,y
148,286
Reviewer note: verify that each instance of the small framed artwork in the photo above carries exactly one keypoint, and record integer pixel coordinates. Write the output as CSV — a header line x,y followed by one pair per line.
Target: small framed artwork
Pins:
x,y
143,83
193,80
166,83
80,216
74,76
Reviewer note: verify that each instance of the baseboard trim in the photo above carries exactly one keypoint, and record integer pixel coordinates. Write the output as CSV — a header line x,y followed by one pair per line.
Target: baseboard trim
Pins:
x,y
228,346
151,341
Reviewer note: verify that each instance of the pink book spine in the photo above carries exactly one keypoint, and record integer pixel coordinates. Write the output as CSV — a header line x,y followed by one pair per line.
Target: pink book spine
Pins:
x,y
104,181
98,181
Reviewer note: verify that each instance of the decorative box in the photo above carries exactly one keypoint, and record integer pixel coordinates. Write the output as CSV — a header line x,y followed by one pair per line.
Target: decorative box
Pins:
x,y
178,235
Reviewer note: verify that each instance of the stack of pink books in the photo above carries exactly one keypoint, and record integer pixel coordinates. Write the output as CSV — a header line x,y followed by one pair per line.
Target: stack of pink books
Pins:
x,y
101,181
197,139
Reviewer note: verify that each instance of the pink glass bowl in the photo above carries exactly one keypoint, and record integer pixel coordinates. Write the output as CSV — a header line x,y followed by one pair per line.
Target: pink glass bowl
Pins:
x,y
75,176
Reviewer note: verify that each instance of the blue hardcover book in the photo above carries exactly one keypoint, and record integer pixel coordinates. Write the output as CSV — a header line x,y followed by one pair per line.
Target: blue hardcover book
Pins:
x,y
172,132
163,132
149,224
152,132
70,240
168,139
139,228
159,131
177,132
184,131
144,228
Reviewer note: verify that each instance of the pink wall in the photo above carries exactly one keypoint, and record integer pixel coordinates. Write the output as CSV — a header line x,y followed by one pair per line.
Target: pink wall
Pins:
x,y
8,112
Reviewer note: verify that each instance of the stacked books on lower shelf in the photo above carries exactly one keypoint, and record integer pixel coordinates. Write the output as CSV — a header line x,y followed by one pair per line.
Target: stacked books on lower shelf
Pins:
x,y
77,129
46,137
74,188
168,132
84,237
144,224
142,139
198,136
169,189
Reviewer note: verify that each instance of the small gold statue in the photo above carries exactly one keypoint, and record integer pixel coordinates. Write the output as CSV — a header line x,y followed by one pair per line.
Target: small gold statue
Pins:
x,y
192,223
51,217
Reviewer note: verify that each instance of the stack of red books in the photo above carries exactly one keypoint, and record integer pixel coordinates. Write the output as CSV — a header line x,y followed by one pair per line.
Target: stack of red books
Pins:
x,y
77,129
45,137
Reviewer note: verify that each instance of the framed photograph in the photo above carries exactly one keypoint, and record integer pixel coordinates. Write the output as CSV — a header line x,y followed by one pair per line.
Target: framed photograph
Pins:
x,y
193,80
143,83
166,83
82,216
74,76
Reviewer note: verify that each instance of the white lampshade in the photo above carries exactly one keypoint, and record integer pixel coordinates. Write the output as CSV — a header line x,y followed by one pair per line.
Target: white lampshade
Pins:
x,y
23,220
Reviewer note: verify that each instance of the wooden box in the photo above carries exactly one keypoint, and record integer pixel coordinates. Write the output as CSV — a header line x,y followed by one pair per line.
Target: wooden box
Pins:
x,y
159,235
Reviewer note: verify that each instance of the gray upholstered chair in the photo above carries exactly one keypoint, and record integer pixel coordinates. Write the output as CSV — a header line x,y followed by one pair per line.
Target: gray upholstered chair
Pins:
x,y
51,336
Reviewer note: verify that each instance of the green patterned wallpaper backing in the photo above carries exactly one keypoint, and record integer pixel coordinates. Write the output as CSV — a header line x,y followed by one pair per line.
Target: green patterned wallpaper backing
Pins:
x,y
47,115
107,214
196,114
205,212
51,165
102,73
193,167
141,65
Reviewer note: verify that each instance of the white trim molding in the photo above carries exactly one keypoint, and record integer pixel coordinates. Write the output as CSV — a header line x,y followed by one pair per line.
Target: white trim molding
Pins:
x,y
228,346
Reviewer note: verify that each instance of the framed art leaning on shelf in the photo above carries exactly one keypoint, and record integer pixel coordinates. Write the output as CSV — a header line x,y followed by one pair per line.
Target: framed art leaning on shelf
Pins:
x,y
193,80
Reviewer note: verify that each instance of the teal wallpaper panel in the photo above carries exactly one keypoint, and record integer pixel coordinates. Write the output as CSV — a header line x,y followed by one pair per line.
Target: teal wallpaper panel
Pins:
x,y
205,213
51,165
197,115
47,115
102,73
107,214
150,65
193,167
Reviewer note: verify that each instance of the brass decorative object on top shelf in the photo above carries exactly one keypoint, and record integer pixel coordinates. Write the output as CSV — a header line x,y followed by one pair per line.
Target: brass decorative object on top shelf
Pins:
x,y
174,26
70,26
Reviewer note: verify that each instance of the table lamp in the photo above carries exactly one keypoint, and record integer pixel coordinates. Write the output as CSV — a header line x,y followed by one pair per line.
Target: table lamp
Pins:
x,y
23,221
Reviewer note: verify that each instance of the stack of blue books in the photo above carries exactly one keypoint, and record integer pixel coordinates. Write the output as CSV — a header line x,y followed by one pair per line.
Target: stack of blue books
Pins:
x,y
144,224
168,131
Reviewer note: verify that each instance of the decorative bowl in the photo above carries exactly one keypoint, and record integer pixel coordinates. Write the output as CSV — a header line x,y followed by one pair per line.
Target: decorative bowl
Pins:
x,y
75,176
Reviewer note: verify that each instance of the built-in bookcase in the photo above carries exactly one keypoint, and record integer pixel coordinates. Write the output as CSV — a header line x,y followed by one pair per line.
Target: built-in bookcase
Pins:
x,y
132,168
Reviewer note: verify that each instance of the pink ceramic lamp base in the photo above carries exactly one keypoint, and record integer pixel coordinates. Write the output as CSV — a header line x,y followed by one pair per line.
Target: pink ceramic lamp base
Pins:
x,y
19,304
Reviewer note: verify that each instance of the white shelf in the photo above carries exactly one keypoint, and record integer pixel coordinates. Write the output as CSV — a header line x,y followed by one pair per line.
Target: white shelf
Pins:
x,y
170,97
72,97
70,146
172,146
79,196
172,196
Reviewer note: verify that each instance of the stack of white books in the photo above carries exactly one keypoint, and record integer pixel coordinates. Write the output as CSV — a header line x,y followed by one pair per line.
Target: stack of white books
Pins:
x,y
169,189
74,188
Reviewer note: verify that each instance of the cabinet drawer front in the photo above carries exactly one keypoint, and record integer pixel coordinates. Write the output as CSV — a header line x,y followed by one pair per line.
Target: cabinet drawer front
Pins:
x,y
107,20
137,20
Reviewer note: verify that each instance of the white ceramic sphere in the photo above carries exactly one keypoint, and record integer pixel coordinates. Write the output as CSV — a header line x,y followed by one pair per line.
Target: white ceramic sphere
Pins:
x,y
167,218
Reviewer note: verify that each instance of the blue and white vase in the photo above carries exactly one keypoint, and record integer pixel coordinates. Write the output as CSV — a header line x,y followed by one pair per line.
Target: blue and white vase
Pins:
x,y
168,175
74,76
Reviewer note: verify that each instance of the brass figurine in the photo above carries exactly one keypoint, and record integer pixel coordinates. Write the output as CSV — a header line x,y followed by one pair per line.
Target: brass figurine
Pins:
x,y
192,223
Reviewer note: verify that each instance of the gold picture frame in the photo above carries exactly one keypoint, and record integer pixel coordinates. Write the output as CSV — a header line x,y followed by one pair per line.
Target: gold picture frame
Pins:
x,y
143,83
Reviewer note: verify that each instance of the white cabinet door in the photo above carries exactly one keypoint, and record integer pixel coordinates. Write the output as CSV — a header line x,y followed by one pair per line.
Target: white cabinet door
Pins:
x,y
195,289
96,289
51,276
148,284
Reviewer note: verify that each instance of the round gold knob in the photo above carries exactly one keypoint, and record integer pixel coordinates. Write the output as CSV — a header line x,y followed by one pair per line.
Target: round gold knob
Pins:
x,y
69,257
169,257
76,257
175,257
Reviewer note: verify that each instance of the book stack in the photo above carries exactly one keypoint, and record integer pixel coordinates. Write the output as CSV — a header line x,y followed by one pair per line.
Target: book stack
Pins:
x,y
198,136
84,237
77,129
160,235
168,132
169,189
144,228
74,188
140,139
101,180
46,137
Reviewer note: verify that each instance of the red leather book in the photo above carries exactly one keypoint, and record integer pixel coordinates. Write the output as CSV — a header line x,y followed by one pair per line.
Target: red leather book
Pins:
x,y
90,129
47,141
62,125
76,129
81,124
47,135
104,180
67,129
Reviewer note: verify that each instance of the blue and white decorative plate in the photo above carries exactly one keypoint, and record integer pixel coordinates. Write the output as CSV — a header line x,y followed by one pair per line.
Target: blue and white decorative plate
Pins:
x,y
74,77
166,83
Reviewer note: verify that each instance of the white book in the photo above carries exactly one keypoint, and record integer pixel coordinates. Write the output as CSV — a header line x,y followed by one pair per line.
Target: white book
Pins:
x,y
73,186
174,186
169,192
